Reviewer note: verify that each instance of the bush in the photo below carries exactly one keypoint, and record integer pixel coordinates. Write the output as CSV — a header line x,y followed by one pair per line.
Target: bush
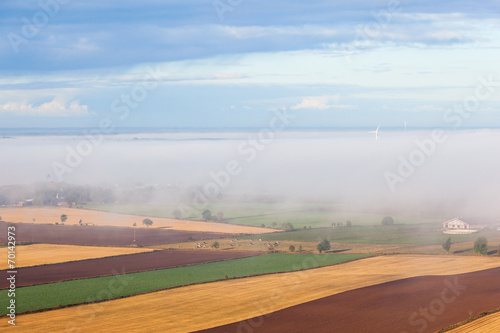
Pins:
x,y
292,248
147,222
387,220
481,246
323,246
206,215
215,245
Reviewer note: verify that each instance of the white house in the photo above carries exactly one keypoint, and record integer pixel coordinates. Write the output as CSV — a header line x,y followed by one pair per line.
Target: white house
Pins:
x,y
457,226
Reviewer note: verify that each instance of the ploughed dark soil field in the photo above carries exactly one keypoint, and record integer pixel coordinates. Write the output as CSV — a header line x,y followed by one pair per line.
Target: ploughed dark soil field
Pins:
x,y
420,304
27,276
100,235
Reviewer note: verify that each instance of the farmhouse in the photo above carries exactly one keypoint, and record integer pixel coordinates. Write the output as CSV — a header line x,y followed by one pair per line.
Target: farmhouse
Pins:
x,y
455,224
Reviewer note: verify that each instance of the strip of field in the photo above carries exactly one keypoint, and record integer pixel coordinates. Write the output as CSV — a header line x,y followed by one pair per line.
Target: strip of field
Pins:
x,y
203,306
423,234
42,254
52,215
487,324
80,291
258,213
100,235
117,265
423,304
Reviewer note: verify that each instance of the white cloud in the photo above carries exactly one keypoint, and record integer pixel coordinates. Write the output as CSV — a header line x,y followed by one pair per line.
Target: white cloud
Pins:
x,y
321,103
55,108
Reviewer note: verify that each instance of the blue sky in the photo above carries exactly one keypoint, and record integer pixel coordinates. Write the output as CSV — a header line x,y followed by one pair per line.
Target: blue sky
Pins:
x,y
227,64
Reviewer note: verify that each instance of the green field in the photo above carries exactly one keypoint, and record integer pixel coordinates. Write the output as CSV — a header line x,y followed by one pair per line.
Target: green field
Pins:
x,y
268,214
109,287
425,234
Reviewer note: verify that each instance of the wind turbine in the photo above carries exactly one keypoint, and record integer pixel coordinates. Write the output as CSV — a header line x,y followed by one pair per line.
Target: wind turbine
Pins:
x,y
405,124
376,132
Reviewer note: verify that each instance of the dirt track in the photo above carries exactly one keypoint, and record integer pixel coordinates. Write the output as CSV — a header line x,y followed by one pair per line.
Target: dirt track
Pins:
x,y
388,307
117,265
100,236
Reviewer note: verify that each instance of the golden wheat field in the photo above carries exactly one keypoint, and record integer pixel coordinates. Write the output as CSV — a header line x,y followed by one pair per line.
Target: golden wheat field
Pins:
x,y
52,215
41,254
487,324
208,305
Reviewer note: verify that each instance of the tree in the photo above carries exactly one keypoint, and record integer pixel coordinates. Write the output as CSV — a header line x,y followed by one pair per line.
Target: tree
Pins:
x,y
263,225
287,226
135,224
215,245
206,215
80,222
273,224
387,220
147,222
300,248
481,246
292,248
323,246
447,245
64,217
177,214
348,224
220,216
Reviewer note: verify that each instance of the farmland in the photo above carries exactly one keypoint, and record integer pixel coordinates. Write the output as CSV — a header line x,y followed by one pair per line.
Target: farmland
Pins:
x,y
121,264
258,213
42,254
185,309
101,235
386,305
425,234
52,215
78,291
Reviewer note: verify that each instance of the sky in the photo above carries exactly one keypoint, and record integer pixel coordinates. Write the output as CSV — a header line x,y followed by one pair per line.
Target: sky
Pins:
x,y
235,63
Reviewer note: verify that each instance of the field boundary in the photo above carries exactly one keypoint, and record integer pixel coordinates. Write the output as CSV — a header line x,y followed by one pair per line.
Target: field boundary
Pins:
x,y
470,320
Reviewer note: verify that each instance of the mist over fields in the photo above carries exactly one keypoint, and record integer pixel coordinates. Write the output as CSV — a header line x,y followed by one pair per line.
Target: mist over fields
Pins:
x,y
453,173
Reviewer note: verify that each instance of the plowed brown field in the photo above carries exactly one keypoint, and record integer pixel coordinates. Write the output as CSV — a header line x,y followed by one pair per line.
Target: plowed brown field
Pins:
x,y
117,265
42,254
100,235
